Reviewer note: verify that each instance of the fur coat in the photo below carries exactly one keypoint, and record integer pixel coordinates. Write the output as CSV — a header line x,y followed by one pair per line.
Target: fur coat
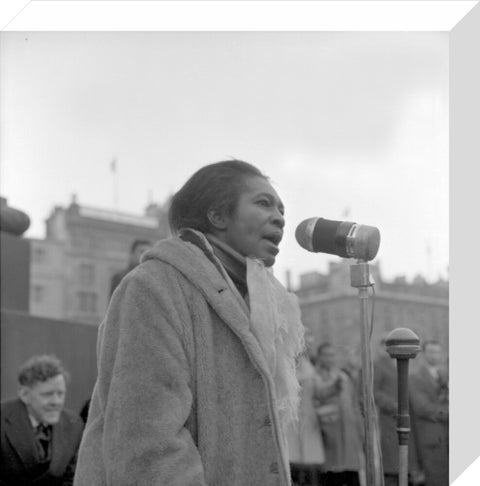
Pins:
x,y
183,395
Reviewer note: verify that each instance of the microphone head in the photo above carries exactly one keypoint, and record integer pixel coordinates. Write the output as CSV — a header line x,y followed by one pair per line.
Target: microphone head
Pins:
x,y
402,343
341,238
366,242
304,233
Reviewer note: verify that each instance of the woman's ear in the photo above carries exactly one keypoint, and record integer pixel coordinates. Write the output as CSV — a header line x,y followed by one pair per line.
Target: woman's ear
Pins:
x,y
217,219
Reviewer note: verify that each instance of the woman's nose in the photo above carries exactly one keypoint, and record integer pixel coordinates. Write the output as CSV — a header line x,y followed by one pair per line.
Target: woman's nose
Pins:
x,y
279,219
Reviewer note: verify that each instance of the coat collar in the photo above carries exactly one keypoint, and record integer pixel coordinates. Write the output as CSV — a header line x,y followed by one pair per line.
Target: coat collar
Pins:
x,y
196,261
61,446
20,433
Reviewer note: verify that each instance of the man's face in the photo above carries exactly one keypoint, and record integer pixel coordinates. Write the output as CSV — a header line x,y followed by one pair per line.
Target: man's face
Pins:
x,y
256,226
45,400
310,344
327,358
433,354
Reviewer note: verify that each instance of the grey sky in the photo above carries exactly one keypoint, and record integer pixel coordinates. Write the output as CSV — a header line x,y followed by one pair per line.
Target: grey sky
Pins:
x,y
337,120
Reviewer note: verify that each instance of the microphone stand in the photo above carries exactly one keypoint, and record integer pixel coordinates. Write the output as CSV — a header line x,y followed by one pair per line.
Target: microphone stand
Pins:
x,y
402,344
360,279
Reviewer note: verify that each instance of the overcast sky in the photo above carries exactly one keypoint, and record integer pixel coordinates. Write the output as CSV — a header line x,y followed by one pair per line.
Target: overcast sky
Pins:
x,y
343,123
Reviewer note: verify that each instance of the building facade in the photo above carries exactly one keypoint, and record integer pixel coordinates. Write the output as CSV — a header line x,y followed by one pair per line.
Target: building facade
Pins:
x,y
331,308
71,269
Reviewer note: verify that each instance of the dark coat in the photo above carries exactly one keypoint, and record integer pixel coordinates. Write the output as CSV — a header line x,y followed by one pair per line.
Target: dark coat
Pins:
x,y
385,392
19,464
430,407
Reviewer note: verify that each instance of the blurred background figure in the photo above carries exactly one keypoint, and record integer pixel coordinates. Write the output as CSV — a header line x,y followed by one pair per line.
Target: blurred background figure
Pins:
x,y
351,362
305,442
138,248
338,412
429,399
385,392
39,438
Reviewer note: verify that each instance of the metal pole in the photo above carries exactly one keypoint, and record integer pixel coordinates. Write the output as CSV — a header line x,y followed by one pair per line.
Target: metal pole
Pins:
x,y
403,465
359,275
402,344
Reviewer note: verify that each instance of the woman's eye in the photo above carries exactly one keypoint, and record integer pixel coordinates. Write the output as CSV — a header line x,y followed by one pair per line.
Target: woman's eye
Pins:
x,y
263,202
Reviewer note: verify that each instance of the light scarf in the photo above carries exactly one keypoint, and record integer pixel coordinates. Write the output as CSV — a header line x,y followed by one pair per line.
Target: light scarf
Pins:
x,y
275,323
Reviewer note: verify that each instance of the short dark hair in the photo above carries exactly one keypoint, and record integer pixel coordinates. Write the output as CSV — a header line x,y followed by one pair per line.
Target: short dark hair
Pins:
x,y
136,243
41,368
430,342
215,186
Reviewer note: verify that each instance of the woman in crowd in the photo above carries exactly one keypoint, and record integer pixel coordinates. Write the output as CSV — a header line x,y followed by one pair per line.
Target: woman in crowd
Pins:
x,y
338,412
196,355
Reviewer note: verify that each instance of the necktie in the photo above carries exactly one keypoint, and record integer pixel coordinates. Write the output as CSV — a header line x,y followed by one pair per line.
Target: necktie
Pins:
x,y
43,435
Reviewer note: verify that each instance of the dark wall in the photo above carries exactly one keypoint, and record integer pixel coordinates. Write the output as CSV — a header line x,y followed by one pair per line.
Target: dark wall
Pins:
x,y
15,272
23,336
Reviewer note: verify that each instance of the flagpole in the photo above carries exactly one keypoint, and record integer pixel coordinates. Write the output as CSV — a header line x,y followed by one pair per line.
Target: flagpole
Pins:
x,y
113,167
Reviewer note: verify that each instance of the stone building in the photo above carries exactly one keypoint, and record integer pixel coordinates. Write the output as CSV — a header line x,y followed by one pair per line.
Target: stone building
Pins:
x,y
331,308
23,334
72,267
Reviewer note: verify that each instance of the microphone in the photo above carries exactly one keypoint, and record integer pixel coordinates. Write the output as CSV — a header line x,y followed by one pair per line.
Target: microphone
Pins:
x,y
341,238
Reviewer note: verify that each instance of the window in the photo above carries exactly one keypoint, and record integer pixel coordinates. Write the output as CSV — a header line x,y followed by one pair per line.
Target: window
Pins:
x,y
39,255
87,302
86,273
38,293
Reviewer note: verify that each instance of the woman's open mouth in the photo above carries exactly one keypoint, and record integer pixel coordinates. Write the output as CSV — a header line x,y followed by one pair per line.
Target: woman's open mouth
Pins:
x,y
274,239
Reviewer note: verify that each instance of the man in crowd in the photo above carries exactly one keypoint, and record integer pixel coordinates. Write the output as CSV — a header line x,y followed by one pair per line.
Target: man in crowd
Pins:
x,y
39,438
429,399
137,249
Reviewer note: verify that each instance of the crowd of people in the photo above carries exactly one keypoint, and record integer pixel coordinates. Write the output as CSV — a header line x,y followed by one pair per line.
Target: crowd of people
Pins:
x,y
331,406
203,374
40,438
327,444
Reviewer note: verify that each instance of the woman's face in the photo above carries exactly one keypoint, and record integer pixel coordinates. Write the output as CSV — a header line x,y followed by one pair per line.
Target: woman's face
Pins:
x,y
256,226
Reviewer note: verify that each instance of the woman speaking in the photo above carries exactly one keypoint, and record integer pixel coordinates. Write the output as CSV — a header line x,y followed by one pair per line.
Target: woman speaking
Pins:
x,y
196,355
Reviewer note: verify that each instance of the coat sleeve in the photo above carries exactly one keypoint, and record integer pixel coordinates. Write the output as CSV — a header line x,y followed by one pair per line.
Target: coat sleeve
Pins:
x,y
383,398
424,405
144,385
324,391
68,475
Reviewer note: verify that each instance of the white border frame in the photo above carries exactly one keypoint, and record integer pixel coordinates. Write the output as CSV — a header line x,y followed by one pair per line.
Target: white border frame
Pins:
x,y
39,15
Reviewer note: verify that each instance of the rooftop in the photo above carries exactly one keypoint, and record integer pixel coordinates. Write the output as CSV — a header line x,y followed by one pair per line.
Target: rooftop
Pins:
x,y
118,217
